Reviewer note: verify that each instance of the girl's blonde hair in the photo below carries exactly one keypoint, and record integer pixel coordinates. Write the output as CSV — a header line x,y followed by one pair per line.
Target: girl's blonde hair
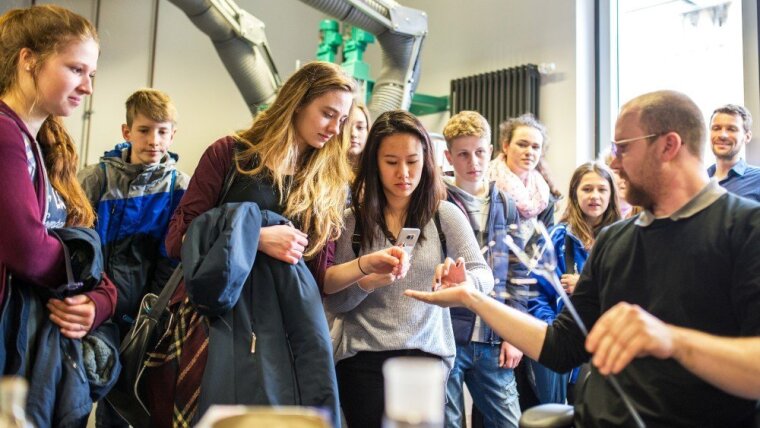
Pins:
x,y
574,216
46,30
353,160
316,196
364,110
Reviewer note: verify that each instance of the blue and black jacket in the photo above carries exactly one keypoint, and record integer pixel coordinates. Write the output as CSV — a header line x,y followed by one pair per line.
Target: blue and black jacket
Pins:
x,y
546,303
134,204
66,376
502,212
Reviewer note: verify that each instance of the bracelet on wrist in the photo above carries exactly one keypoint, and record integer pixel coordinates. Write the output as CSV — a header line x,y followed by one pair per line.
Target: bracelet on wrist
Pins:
x,y
359,263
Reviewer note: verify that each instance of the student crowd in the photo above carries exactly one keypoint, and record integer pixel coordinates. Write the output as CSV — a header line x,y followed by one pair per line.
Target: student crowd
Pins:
x,y
295,291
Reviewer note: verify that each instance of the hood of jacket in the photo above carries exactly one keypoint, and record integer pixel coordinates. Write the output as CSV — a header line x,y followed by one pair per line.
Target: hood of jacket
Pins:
x,y
84,259
118,157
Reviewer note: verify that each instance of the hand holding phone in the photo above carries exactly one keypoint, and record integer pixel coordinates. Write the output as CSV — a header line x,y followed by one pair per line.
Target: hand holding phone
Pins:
x,y
407,238
385,266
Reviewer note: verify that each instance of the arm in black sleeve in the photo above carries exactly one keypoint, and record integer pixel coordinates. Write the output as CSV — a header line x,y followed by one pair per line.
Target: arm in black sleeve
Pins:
x,y
564,345
745,280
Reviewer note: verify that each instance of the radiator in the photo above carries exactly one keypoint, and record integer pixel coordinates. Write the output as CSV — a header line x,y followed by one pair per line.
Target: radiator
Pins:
x,y
497,95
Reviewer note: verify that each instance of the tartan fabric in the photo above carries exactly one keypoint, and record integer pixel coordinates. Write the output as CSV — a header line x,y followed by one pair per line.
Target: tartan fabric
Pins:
x,y
183,353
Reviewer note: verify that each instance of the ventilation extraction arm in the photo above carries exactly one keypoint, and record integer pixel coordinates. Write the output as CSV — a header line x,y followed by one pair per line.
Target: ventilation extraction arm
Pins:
x,y
241,43
400,31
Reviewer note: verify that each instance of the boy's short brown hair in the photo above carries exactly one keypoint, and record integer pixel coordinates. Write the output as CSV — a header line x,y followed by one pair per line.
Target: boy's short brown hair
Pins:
x,y
466,123
153,104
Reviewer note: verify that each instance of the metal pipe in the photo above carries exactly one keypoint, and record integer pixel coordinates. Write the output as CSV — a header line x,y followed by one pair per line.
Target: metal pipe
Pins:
x,y
399,31
84,149
241,43
154,44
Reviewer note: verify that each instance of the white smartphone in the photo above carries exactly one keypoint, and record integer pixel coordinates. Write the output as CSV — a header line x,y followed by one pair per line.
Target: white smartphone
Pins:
x,y
407,238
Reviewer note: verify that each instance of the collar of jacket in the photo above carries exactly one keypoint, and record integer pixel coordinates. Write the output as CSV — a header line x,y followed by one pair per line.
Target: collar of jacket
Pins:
x,y
118,157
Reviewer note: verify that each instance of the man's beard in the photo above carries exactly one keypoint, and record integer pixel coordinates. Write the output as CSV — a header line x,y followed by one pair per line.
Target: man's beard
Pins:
x,y
730,155
637,195
726,156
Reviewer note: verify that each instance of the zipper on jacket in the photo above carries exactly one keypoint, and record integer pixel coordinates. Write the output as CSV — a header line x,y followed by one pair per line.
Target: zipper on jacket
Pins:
x,y
71,356
253,343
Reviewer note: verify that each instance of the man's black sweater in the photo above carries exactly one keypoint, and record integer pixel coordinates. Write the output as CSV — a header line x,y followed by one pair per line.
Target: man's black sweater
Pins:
x,y
700,272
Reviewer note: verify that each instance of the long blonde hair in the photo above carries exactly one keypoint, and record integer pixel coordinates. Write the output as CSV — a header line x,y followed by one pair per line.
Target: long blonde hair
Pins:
x,y
316,196
46,30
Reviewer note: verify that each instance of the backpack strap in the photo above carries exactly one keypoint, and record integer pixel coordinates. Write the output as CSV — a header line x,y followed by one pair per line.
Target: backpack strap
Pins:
x,y
229,178
356,237
451,197
511,216
569,255
171,191
104,184
103,188
441,235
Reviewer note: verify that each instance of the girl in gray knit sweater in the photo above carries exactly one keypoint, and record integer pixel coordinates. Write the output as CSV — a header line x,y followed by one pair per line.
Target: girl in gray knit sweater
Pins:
x,y
398,185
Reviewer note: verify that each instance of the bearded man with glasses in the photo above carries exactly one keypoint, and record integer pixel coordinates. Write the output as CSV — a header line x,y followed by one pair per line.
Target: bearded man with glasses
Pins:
x,y
689,262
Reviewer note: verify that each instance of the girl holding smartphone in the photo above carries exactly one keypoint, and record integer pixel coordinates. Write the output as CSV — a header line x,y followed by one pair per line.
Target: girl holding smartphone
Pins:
x,y
397,186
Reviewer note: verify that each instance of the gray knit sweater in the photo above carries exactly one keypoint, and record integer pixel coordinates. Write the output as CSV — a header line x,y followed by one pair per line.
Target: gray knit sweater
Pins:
x,y
385,319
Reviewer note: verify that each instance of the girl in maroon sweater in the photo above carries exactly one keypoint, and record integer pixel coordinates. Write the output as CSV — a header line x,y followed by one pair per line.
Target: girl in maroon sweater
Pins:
x,y
48,57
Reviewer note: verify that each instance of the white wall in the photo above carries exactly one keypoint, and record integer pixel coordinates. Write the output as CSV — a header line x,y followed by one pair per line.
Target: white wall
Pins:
x,y
189,69
186,67
465,38
484,35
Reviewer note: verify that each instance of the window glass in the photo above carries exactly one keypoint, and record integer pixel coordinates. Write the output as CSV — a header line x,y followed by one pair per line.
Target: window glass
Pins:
x,y
692,46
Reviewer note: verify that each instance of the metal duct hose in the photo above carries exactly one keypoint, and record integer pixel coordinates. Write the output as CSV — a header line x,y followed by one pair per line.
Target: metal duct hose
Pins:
x,y
251,73
391,90
399,32
343,10
246,58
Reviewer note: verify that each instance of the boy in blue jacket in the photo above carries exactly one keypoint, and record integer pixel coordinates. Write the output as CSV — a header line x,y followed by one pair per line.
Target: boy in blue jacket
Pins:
x,y
134,190
483,360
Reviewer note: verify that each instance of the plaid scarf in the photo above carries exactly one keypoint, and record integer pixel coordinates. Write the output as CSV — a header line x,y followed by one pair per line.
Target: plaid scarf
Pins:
x,y
180,357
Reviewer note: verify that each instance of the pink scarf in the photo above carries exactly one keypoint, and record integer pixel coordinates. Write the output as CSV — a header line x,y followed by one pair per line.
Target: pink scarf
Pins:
x,y
531,197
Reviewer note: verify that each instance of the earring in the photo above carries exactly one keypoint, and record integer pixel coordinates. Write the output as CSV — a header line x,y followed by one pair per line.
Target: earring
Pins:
x,y
28,67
